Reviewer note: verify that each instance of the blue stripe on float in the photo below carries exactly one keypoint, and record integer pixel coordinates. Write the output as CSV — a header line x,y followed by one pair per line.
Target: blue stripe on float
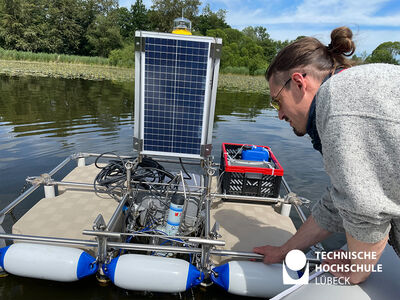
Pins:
x,y
195,277
86,265
109,269
2,255
223,276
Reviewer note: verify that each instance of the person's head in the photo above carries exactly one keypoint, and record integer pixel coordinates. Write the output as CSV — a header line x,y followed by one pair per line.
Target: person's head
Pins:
x,y
295,74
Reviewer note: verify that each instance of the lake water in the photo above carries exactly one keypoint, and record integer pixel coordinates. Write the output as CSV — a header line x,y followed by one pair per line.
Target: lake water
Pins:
x,y
44,120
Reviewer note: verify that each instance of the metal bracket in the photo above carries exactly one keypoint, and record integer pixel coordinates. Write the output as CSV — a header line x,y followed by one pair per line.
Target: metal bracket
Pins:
x,y
137,144
42,179
99,224
205,150
292,198
79,155
140,43
216,50
214,231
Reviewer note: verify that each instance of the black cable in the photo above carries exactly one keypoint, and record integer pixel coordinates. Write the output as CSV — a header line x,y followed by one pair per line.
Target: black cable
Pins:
x,y
113,176
184,170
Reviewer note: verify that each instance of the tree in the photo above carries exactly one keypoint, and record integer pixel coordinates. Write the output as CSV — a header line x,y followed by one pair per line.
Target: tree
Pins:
x,y
163,12
210,20
124,22
385,53
140,19
21,24
103,35
64,29
359,59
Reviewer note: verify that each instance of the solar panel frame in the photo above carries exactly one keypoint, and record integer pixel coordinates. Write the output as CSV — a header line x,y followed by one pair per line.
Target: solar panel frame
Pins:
x,y
142,134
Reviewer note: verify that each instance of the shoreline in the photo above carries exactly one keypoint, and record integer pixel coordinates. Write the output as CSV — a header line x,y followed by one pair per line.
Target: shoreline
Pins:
x,y
226,82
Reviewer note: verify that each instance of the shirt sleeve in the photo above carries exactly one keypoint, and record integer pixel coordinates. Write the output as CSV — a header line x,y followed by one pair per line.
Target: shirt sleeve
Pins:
x,y
326,214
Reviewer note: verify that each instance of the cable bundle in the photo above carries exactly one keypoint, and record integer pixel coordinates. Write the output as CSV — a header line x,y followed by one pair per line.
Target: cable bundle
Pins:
x,y
113,176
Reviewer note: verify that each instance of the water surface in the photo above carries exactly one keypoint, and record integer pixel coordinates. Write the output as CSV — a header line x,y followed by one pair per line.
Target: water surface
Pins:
x,y
43,120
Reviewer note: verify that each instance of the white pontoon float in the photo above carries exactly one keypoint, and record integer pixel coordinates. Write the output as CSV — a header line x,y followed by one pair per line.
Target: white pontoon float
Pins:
x,y
148,224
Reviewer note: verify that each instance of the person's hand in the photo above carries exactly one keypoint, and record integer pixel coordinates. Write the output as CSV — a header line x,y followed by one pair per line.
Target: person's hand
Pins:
x,y
338,262
272,254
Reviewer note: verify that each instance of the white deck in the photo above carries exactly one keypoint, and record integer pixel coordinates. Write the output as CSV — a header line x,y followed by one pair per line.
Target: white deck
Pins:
x,y
71,212
245,226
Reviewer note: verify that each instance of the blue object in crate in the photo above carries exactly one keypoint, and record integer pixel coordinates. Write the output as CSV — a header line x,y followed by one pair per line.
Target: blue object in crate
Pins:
x,y
256,154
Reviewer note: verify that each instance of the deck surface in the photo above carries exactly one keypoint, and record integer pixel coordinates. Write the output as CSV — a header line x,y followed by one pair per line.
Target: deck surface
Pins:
x,y
242,226
69,213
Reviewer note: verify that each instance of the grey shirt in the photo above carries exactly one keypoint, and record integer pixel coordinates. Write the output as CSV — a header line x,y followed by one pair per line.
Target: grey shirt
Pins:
x,y
358,121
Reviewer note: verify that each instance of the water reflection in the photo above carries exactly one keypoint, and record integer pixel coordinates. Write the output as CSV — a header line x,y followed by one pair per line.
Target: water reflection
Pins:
x,y
242,105
62,108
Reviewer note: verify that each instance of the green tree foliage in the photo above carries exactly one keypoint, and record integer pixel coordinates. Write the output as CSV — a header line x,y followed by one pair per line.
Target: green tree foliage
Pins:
x,y
252,49
21,25
209,20
140,19
103,35
387,52
134,19
64,29
124,19
163,12
124,57
62,26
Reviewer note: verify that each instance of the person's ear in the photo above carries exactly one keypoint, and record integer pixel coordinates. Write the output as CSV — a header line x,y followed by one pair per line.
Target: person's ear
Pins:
x,y
298,80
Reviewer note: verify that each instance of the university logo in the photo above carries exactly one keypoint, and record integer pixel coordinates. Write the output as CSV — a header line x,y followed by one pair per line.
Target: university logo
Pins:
x,y
294,262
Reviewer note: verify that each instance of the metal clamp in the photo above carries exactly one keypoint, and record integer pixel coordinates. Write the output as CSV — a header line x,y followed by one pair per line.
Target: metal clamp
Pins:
x,y
42,179
79,155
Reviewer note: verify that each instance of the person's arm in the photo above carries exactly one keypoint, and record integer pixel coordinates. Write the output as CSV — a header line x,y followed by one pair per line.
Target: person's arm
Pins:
x,y
308,234
373,249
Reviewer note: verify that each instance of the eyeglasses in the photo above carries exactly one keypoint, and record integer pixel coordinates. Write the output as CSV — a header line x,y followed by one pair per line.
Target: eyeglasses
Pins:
x,y
274,102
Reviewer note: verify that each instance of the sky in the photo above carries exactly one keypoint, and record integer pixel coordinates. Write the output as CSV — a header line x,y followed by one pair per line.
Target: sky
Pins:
x,y
372,21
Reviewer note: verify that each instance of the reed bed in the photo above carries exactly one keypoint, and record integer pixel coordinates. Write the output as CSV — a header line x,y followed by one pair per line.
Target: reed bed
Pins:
x,y
226,82
243,83
49,57
65,70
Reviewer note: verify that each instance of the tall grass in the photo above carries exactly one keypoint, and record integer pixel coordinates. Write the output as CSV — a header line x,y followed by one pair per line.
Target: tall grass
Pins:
x,y
242,71
49,57
235,70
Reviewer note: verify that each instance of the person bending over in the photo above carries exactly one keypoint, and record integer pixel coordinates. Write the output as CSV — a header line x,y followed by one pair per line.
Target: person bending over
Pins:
x,y
352,115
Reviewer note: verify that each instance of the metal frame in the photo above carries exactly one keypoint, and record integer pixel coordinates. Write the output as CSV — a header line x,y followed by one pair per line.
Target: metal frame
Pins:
x,y
204,246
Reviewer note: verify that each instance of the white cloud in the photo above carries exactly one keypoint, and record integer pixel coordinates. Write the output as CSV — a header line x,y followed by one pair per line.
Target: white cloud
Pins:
x,y
318,17
317,12
365,40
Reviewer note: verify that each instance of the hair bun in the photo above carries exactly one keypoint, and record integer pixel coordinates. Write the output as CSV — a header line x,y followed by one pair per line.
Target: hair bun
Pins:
x,y
341,41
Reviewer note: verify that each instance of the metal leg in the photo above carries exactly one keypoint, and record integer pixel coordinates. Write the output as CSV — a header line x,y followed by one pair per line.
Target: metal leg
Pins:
x,y
49,191
81,162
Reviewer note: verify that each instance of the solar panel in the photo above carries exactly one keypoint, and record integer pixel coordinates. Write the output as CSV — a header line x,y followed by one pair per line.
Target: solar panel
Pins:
x,y
176,78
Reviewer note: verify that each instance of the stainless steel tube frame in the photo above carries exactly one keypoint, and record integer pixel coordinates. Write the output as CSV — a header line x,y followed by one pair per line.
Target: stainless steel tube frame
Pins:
x,y
23,196
223,196
117,212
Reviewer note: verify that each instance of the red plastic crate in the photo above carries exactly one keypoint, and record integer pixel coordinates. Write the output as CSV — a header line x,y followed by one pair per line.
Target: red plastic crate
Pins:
x,y
248,180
